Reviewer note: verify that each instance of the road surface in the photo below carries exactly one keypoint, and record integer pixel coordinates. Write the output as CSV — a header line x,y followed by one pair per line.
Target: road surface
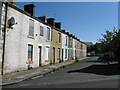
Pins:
x,y
88,73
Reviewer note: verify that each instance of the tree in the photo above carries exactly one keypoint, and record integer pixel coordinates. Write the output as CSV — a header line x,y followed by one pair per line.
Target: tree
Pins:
x,y
111,42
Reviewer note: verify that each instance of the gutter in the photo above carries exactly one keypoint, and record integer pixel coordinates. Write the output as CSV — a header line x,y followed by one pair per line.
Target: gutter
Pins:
x,y
4,38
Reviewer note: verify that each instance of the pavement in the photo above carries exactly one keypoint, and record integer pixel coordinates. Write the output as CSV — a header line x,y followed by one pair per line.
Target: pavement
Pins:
x,y
12,78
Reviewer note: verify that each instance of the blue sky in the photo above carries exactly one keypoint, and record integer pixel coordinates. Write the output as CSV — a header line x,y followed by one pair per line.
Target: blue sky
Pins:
x,y
86,20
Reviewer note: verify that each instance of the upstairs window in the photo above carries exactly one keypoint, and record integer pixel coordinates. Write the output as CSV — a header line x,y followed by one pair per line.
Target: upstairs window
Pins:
x,y
41,31
48,33
31,27
71,42
59,38
66,41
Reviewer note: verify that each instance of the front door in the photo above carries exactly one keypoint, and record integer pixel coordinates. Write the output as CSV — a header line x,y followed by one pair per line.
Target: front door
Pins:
x,y
62,54
53,55
39,55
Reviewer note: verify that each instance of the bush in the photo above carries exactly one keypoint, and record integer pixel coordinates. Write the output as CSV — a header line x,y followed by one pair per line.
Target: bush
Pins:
x,y
76,59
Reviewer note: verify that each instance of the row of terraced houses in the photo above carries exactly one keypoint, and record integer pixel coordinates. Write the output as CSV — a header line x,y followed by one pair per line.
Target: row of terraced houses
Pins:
x,y
27,41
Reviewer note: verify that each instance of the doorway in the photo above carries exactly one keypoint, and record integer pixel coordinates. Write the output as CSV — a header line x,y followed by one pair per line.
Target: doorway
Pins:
x,y
39,55
53,55
62,54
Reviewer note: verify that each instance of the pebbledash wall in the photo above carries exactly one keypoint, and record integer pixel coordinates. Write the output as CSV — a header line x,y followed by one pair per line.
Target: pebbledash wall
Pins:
x,y
18,39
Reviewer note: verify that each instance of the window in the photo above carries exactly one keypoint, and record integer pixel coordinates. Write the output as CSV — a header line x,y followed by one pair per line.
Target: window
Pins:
x,y
48,33
31,27
65,53
30,52
58,53
41,31
66,41
47,53
71,42
59,37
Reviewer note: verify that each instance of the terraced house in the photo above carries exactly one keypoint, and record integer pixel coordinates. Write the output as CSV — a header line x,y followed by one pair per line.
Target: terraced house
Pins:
x,y
56,46
28,42
64,45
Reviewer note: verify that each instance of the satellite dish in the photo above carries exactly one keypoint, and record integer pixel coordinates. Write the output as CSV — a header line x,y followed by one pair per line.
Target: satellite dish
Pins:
x,y
11,22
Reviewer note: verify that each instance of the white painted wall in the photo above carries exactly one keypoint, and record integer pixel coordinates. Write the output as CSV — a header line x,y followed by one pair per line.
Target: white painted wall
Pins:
x,y
74,47
16,52
64,46
84,50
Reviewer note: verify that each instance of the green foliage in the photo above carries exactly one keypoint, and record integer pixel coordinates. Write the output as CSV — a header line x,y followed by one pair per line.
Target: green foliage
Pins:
x,y
107,39
110,42
76,59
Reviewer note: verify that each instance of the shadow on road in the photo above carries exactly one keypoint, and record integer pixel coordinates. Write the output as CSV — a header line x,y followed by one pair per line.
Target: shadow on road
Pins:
x,y
112,69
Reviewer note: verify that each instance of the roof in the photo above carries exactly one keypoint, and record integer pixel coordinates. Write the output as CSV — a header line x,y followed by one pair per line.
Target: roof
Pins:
x,y
89,43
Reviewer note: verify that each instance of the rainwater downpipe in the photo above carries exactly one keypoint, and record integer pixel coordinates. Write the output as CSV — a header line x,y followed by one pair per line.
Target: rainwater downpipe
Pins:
x,y
4,38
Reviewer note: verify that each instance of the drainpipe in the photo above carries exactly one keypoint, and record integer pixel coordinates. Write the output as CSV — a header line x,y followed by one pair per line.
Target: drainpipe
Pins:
x,y
4,37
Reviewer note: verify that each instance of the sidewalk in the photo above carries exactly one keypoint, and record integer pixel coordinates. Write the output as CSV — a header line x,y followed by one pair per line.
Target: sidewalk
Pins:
x,y
16,77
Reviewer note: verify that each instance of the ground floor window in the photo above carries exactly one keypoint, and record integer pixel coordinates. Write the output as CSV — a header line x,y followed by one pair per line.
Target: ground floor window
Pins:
x,y
47,53
30,53
58,53
65,53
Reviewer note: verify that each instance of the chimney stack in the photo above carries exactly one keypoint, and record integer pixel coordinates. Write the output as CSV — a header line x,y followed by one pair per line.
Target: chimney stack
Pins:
x,y
51,21
58,25
30,8
63,30
42,18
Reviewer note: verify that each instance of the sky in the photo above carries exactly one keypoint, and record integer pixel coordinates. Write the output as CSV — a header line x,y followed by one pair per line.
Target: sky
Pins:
x,y
86,20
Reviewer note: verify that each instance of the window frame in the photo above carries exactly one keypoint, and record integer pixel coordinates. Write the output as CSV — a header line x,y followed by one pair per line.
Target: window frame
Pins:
x,y
65,53
48,33
58,56
31,27
47,53
59,38
66,41
41,31
31,52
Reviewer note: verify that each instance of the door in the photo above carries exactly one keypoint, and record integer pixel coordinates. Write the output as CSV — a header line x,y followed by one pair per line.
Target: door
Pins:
x,y
39,55
62,54
53,55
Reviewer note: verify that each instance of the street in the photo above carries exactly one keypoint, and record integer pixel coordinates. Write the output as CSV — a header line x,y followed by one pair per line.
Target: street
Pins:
x,y
88,73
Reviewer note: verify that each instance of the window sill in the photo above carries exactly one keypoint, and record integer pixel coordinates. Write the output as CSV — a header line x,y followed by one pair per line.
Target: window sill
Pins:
x,y
27,62
31,37
47,60
59,43
47,40
65,44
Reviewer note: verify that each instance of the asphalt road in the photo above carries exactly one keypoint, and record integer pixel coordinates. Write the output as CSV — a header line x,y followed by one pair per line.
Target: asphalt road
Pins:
x,y
88,73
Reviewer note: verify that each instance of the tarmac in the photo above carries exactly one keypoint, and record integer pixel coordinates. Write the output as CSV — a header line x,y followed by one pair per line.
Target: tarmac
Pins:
x,y
16,77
